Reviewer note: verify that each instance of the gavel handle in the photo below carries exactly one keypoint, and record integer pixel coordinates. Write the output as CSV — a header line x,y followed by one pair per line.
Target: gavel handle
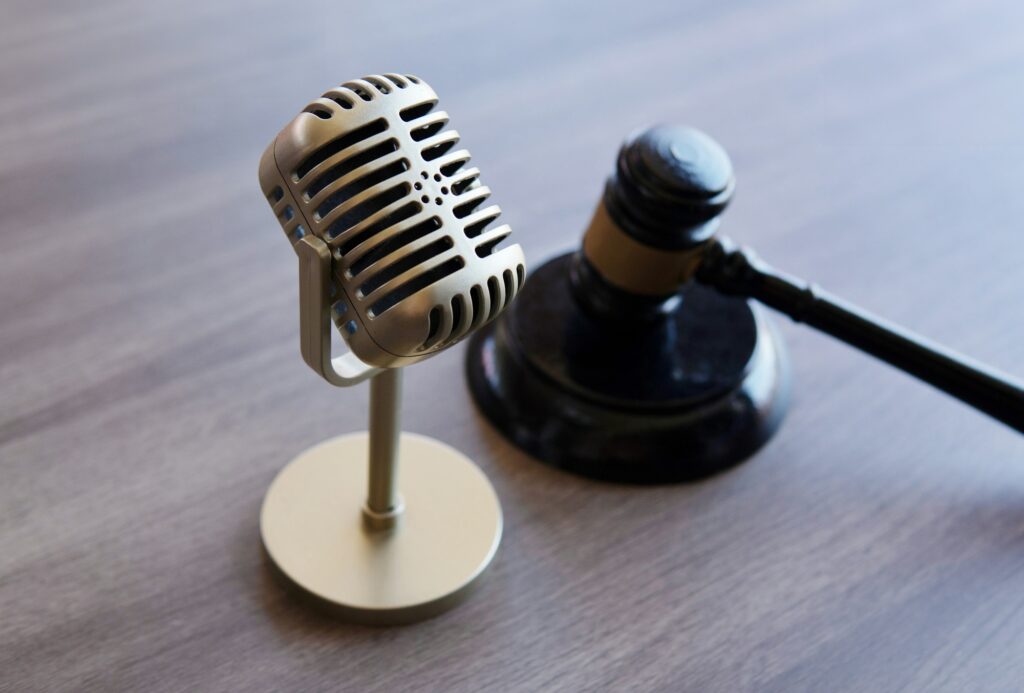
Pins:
x,y
736,271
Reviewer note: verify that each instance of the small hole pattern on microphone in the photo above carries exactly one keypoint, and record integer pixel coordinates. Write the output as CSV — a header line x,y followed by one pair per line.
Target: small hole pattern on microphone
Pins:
x,y
372,170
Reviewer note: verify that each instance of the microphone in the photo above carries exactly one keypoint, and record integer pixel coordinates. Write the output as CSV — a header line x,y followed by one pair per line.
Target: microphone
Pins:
x,y
371,170
399,248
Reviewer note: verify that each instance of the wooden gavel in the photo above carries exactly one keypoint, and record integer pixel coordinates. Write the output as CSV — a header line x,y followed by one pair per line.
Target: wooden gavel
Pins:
x,y
656,230
640,357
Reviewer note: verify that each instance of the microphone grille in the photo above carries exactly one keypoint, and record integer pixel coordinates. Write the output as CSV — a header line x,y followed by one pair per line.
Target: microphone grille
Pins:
x,y
372,169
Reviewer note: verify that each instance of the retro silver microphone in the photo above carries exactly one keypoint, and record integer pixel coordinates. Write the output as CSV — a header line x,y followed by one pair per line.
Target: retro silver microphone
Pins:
x,y
370,173
399,249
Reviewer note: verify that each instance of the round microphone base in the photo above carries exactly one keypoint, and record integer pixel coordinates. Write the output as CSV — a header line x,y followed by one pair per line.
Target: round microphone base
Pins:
x,y
315,534
675,398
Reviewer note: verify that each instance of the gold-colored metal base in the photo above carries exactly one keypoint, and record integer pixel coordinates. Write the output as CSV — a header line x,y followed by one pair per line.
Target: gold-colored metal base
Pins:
x,y
314,530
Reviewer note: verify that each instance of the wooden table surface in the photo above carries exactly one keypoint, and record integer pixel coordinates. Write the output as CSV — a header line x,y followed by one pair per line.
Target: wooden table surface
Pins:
x,y
151,384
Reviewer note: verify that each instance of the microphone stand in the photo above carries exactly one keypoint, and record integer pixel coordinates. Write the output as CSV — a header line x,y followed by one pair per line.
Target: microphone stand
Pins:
x,y
389,567
736,271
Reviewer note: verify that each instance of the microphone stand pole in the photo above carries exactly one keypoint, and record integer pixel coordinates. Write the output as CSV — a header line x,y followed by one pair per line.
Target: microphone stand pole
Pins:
x,y
383,504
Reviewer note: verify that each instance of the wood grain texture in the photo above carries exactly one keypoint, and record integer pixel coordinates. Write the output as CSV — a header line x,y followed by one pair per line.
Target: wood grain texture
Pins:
x,y
151,385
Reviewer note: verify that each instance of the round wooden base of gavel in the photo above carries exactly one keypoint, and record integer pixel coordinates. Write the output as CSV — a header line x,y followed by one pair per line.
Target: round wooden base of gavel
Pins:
x,y
678,398
610,364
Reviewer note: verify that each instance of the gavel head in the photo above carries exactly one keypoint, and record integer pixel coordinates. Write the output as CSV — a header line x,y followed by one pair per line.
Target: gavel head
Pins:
x,y
611,363
660,206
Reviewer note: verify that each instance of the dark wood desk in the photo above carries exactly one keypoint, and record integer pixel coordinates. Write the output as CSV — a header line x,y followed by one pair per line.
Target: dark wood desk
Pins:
x,y
151,385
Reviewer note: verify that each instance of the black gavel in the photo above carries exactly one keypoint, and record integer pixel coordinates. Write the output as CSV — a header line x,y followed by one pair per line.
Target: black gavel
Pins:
x,y
639,358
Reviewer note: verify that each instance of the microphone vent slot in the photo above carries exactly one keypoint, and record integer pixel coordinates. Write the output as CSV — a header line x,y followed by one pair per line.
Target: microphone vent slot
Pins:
x,y
361,91
282,207
403,265
381,86
339,144
447,324
393,243
358,213
510,287
321,113
398,80
343,193
458,303
342,101
433,326
463,209
348,165
356,238
476,297
466,180
494,294
420,281
435,151
429,130
417,111
451,168
487,247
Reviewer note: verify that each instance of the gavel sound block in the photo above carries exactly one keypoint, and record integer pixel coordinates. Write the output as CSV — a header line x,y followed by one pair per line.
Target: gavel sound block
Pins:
x,y
640,358
605,366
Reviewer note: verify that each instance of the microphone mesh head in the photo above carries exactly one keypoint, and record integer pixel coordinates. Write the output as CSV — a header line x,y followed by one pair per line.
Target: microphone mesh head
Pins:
x,y
371,169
